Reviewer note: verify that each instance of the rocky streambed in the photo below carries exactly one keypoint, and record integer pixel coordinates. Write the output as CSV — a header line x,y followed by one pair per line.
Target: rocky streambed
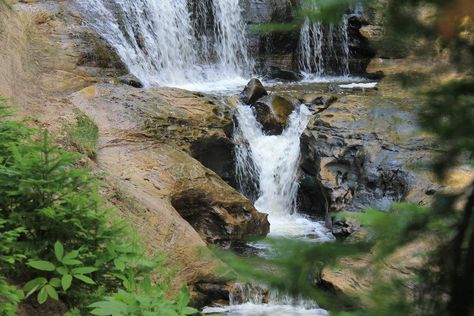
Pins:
x,y
168,155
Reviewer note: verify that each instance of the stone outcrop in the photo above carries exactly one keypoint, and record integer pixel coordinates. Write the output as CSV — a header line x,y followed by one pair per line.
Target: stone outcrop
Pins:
x,y
152,131
358,151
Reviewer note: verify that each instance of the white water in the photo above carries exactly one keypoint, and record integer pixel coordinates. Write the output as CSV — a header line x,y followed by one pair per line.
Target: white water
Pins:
x,y
318,45
271,161
248,301
311,48
157,41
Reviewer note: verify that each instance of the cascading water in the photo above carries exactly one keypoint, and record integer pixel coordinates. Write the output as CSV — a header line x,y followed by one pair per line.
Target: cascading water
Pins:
x,y
269,163
248,301
345,45
324,50
311,48
159,43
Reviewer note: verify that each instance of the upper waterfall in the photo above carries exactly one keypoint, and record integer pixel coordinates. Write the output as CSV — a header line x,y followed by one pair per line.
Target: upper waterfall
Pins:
x,y
160,41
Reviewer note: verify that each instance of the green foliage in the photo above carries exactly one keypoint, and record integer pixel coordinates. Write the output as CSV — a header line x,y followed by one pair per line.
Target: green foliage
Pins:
x,y
83,135
66,269
143,299
10,296
48,206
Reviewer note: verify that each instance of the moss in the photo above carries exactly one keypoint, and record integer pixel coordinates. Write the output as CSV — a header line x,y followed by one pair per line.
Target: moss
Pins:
x,y
82,135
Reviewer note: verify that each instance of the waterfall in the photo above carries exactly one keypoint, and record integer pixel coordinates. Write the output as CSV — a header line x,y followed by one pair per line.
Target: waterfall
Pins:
x,y
254,300
311,48
230,30
324,50
160,44
275,159
269,164
345,45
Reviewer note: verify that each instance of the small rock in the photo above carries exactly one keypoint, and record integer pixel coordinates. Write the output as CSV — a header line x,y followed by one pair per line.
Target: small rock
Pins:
x,y
253,91
342,228
130,80
273,112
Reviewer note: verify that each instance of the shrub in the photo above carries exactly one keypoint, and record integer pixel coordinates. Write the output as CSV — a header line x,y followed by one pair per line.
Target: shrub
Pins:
x,y
68,246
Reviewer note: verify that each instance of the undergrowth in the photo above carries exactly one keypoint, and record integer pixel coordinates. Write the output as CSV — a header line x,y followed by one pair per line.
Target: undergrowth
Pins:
x,y
57,240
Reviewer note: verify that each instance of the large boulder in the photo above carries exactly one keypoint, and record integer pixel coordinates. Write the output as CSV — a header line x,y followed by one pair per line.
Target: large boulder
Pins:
x,y
253,91
146,147
273,112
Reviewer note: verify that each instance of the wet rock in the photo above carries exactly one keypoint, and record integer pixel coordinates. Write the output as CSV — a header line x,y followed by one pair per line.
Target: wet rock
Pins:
x,y
360,155
253,91
206,293
343,228
130,80
276,73
222,217
273,112
312,197
216,153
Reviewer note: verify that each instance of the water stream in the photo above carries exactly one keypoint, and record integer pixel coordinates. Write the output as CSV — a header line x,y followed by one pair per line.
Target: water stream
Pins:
x,y
268,164
202,46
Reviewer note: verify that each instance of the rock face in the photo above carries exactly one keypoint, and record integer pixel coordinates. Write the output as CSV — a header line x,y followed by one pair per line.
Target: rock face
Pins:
x,y
276,73
155,131
272,48
358,151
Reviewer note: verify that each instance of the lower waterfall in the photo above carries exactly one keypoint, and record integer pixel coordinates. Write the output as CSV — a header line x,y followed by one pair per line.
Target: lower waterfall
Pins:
x,y
269,164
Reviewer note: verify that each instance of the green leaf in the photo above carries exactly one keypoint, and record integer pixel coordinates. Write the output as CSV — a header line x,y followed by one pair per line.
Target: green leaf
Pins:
x,y
55,282
189,311
183,298
66,281
71,262
41,265
62,270
51,292
71,255
42,296
84,278
106,308
83,270
31,286
119,264
58,250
